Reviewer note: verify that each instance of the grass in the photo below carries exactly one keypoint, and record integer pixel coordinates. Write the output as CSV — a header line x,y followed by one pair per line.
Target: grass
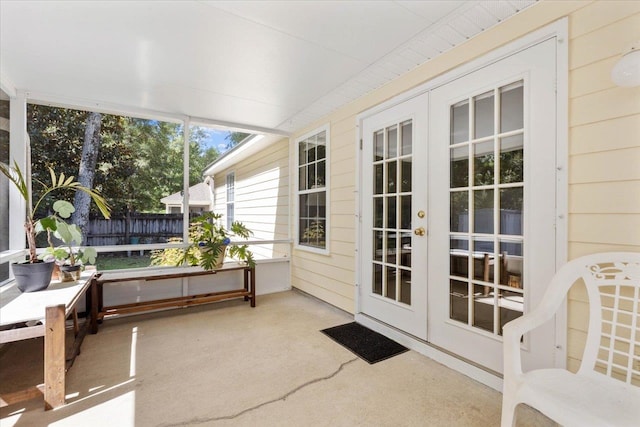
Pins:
x,y
121,260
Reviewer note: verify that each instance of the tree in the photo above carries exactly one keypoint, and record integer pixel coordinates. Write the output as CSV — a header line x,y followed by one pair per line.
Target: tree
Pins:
x,y
90,149
234,138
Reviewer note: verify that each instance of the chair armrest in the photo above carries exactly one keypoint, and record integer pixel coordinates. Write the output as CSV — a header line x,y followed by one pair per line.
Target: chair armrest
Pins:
x,y
514,330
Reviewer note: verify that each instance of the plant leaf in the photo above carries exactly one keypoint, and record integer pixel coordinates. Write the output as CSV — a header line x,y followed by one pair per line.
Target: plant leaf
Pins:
x,y
63,208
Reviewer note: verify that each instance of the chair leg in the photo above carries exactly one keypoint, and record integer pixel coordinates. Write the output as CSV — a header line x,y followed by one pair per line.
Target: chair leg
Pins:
x,y
508,413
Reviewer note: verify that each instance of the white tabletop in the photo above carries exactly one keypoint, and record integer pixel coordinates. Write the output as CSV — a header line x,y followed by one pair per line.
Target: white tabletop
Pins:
x,y
18,307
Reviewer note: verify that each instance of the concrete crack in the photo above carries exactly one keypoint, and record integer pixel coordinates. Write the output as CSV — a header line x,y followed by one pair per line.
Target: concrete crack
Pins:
x,y
196,421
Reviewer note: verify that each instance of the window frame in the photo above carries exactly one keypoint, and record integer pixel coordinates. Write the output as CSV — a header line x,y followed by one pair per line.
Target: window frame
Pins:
x,y
298,192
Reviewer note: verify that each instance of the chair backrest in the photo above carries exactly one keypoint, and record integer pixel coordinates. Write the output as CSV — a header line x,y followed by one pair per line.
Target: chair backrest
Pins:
x,y
612,281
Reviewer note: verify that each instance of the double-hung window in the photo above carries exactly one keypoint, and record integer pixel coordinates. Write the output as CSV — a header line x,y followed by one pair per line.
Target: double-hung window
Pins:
x,y
313,171
231,183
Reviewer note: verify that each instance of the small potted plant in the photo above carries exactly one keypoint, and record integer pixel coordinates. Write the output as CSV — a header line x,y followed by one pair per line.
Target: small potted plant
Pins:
x,y
69,259
209,243
34,274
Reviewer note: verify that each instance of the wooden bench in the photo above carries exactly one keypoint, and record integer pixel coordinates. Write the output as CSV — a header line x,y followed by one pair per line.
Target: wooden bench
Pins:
x,y
99,311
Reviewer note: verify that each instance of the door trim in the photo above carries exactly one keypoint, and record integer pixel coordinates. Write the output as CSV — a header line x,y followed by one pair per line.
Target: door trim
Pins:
x,y
559,31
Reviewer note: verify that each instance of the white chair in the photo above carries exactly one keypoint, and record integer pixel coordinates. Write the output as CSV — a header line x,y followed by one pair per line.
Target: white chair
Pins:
x,y
606,389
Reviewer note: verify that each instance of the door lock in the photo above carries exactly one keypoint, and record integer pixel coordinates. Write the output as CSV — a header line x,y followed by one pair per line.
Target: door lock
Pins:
x,y
421,214
419,231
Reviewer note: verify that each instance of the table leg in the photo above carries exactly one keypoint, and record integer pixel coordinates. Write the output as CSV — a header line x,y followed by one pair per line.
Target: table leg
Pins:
x,y
54,357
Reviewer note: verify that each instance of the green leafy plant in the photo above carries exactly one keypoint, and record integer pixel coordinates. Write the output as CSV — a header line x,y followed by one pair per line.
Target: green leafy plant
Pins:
x,y
69,234
33,225
209,241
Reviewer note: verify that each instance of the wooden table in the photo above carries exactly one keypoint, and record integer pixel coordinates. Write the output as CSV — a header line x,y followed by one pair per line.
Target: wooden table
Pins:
x,y
99,310
43,313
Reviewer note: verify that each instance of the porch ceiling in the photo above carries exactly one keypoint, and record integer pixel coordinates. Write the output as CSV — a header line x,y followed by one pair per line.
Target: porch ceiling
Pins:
x,y
258,65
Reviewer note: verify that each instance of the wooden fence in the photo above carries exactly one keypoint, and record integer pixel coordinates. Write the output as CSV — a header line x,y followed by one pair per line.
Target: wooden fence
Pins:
x,y
137,228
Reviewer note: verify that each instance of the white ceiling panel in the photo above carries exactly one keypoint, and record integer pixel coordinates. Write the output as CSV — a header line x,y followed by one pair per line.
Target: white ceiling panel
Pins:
x,y
257,64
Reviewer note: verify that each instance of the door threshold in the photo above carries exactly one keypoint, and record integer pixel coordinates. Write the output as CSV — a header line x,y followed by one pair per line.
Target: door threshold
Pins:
x,y
467,367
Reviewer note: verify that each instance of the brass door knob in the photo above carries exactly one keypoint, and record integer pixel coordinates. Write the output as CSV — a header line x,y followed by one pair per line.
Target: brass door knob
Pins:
x,y
419,231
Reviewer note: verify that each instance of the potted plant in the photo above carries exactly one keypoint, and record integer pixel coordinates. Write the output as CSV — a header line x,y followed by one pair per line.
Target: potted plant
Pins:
x,y
34,274
69,259
209,243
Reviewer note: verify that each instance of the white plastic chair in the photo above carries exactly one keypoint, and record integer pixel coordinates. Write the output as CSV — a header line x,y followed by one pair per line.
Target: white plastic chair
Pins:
x,y
606,389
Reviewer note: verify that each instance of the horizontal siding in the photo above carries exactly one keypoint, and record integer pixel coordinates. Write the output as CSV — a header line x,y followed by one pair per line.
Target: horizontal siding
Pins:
x,y
605,197
603,42
618,229
614,134
598,167
261,196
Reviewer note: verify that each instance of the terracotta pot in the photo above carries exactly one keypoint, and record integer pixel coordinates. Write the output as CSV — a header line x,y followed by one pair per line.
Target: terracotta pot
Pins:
x,y
70,273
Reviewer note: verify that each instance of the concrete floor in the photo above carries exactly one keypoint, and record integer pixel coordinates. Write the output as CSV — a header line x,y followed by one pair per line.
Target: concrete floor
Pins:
x,y
226,364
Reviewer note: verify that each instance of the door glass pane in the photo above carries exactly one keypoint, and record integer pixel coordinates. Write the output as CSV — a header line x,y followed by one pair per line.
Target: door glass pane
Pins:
x,y
511,307
511,159
377,279
405,286
511,107
511,264
391,248
482,309
378,146
377,245
459,167
483,211
459,257
392,177
460,122
484,163
391,212
483,115
405,249
407,138
392,142
459,211
406,175
378,212
378,187
405,212
391,283
483,260
511,202
458,300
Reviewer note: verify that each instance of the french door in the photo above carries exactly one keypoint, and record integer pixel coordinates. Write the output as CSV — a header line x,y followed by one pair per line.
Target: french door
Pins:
x,y
492,163
458,203
394,203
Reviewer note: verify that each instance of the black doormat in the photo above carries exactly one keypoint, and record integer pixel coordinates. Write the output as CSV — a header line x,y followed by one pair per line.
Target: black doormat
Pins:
x,y
363,342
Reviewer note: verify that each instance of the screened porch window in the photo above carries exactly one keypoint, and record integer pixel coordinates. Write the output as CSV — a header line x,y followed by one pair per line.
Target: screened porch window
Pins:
x,y
312,190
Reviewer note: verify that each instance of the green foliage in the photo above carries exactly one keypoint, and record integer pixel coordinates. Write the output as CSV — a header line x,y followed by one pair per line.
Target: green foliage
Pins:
x,y
170,256
140,161
59,183
235,138
208,241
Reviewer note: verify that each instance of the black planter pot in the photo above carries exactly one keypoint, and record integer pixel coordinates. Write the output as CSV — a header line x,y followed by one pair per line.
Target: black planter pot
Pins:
x,y
32,277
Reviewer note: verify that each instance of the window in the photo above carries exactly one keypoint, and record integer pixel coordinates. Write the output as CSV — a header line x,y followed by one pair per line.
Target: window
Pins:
x,y
312,190
231,182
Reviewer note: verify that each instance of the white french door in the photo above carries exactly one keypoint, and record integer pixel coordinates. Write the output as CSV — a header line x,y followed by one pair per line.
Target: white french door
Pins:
x,y
394,202
492,165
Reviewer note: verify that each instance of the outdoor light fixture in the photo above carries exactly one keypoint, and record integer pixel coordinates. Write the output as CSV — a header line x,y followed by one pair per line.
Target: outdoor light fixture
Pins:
x,y
626,72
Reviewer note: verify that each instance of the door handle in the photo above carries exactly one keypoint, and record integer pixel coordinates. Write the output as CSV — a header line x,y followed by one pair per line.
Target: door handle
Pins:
x,y
419,231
